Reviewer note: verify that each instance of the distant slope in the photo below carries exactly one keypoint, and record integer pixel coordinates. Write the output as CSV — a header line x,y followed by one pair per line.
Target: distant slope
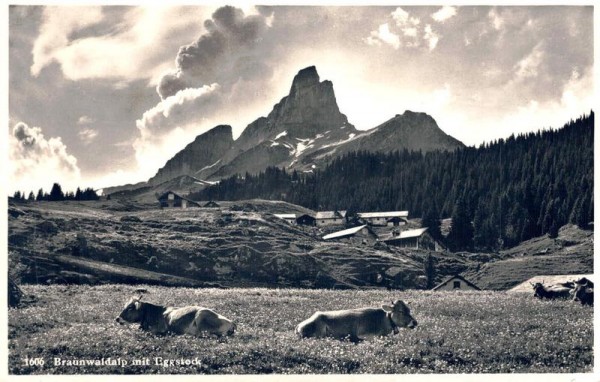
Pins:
x,y
572,252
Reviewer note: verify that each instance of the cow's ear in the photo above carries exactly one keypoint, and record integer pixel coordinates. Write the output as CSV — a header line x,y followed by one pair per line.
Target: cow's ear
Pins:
x,y
387,308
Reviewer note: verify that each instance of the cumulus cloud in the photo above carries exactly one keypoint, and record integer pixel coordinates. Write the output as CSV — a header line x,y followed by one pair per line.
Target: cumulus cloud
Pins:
x,y
444,13
191,104
35,161
87,136
124,52
383,35
496,19
210,84
85,120
431,37
529,65
224,53
408,31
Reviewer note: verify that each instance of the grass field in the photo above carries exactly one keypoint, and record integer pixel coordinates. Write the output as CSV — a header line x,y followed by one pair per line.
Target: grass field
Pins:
x,y
466,332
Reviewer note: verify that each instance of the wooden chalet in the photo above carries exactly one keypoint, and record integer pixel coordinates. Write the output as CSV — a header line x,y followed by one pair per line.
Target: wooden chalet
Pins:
x,y
172,200
327,218
290,218
388,218
306,219
356,235
456,282
414,238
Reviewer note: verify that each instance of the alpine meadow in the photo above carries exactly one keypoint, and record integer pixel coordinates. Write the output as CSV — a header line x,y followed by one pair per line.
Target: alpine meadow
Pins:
x,y
229,191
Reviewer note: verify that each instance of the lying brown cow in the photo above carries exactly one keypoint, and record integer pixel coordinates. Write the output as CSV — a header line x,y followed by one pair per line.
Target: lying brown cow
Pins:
x,y
158,319
356,324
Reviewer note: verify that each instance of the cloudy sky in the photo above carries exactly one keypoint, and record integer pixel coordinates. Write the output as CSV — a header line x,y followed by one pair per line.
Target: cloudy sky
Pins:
x,y
102,96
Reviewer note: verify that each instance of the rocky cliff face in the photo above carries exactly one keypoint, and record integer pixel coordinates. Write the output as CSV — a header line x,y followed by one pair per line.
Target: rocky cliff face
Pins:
x,y
204,152
309,109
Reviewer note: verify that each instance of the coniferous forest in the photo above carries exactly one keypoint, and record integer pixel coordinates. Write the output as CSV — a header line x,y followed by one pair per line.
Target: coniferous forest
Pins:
x,y
498,194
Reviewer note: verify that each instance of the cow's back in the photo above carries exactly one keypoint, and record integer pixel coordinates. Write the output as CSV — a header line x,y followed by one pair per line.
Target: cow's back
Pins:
x,y
181,320
357,322
196,320
353,323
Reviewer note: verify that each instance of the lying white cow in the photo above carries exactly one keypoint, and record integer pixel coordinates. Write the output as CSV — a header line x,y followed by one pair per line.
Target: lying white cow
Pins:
x,y
356,324
192,320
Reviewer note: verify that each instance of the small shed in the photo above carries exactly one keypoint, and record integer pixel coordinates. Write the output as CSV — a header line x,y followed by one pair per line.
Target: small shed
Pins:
x,y
414,238
306,219
387,218
290,218
326,218
456,282
172,200
211,204
356,235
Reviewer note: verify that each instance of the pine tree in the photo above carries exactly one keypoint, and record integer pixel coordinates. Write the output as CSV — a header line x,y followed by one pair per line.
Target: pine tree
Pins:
x,y
56,193
461,232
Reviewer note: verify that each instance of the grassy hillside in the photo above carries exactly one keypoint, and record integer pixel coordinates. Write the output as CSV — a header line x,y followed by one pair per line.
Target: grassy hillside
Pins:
x,y
468,332
243,244
572,252
239,244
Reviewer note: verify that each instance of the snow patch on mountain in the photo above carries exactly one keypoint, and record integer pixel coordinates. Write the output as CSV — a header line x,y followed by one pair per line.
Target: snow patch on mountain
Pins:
x,y
207,167
283,134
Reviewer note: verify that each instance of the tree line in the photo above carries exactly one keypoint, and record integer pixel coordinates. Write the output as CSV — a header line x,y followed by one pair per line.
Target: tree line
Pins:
x,y
57,194
498,194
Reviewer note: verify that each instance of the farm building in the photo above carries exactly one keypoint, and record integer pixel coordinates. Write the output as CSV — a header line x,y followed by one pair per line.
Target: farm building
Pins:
x,y
357,235
414,238
325,218
548,280
305,219
290,218
170,199
389,218
456,283
211,204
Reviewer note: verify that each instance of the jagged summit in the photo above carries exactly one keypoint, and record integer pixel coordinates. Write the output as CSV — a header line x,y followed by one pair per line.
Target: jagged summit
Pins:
x,y
306,77
309,109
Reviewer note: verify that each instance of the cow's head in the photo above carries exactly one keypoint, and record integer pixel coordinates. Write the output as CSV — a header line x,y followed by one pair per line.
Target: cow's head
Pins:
x,y
400,315
581,291
228,327
132,312
538,289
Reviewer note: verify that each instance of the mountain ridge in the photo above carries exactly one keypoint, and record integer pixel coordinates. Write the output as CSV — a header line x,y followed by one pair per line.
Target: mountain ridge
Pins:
x,y
303,131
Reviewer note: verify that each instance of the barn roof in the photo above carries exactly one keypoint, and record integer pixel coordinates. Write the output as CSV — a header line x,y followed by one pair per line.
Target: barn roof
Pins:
x,y
164,196
405,234
331,214
548,280
459,277
387,214
346,232
285,216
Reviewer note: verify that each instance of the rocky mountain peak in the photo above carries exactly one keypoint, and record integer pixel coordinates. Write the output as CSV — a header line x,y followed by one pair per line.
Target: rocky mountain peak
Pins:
x,y
206,150
305,78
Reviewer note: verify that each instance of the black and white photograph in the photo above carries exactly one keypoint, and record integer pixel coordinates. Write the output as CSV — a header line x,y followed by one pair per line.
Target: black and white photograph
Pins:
x,y
239,189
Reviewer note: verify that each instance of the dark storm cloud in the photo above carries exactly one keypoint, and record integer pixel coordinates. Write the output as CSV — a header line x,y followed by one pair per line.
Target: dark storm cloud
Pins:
x,y
218,54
